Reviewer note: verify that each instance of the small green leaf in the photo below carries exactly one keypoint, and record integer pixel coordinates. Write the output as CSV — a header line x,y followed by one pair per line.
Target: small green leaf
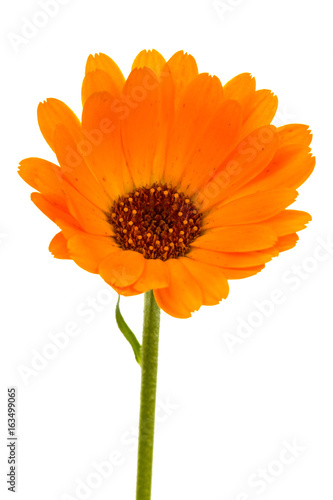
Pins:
x,y
128,334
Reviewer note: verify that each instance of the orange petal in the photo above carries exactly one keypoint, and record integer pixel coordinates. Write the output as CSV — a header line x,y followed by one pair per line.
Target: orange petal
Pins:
x,y
217,142
53,211
150,59
196,109
288,222
237,274
250,158
166,113
75,170
101,118
211,279
98,81
89,251
155,275
286,242
141,128
69,230
183,296
122,269
241,88
260,111
233,259
183,69
45,177
128,291
294,134
53,112
251,209
105,63
290,167
237,238
90,217
58,247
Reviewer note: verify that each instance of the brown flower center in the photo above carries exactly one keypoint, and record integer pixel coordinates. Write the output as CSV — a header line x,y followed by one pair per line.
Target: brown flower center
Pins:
x,y
159,222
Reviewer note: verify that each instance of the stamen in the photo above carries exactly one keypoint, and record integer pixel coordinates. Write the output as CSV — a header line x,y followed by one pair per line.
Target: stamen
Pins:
x,y
151,220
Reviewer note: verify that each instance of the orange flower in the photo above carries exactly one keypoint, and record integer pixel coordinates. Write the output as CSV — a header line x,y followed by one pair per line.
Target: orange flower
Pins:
x,y
170,182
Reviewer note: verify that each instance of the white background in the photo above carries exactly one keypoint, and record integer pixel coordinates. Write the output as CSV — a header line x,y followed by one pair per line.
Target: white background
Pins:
x,y
224,413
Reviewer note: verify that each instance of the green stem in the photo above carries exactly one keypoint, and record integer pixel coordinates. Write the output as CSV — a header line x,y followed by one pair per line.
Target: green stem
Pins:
x,y
149,362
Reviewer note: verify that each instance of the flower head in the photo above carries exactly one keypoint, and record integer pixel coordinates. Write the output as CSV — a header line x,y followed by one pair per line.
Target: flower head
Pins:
x,y
170,182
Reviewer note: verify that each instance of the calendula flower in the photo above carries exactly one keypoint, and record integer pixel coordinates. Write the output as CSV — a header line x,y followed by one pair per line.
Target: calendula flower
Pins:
x,y
170,185
171,181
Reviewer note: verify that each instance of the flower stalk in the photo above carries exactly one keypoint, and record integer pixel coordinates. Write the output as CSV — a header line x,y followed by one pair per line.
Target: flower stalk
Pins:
x,y
149,364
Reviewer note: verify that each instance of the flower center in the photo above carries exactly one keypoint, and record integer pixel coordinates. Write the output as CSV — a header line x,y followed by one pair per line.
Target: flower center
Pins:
x,y
159,222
